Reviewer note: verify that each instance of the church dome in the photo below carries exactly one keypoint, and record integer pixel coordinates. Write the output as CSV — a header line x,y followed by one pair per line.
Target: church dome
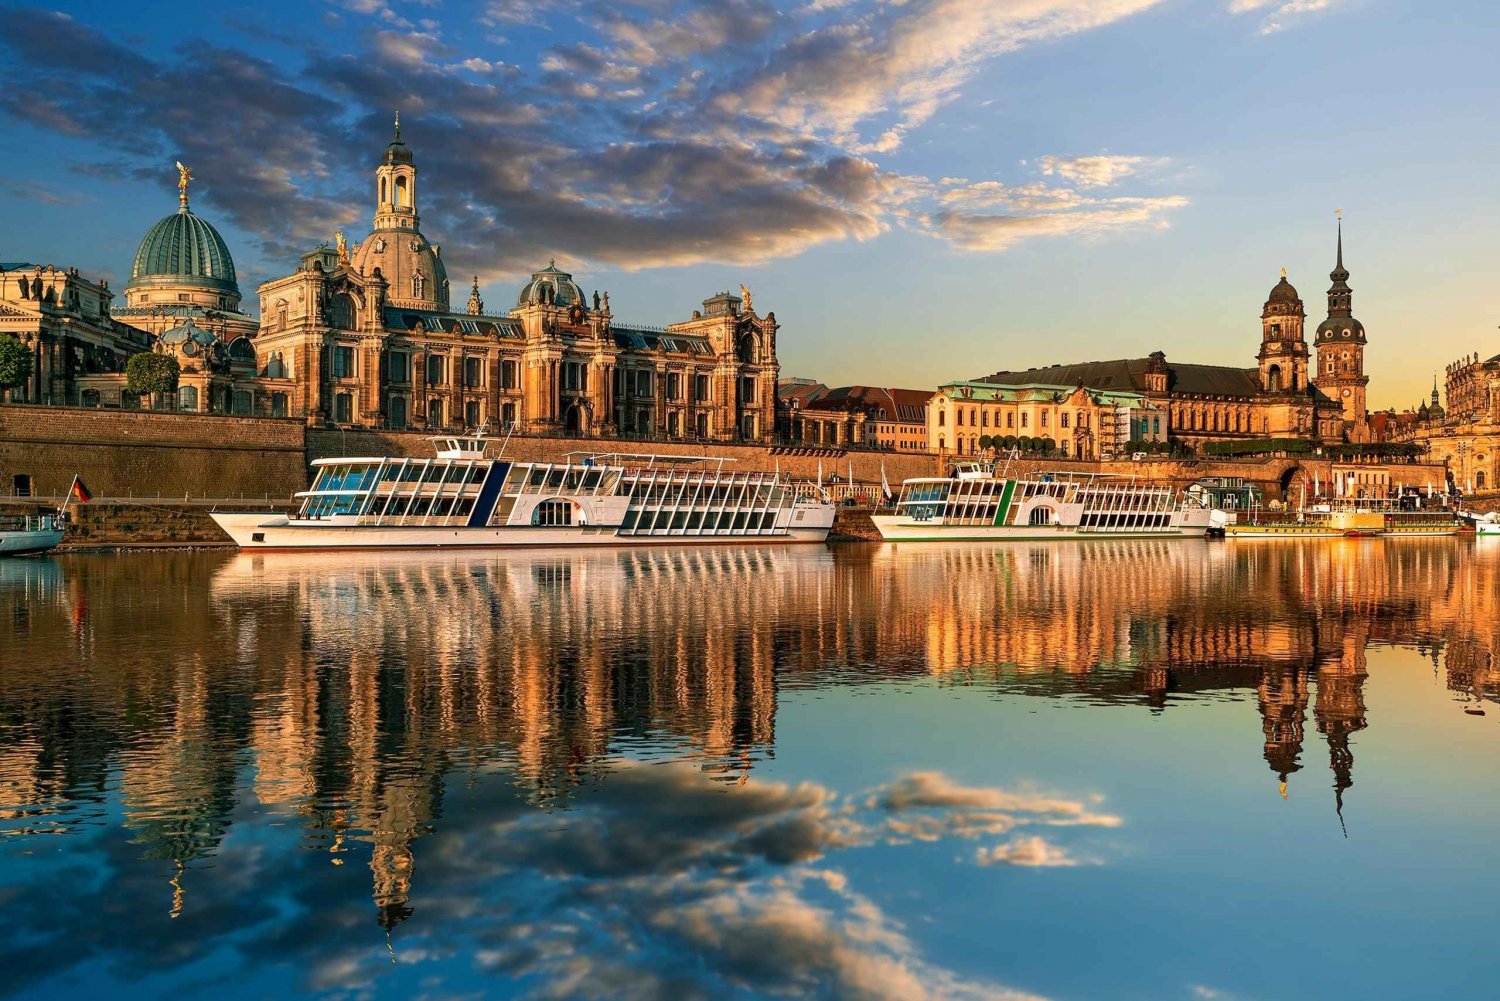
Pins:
x,y
413,268
184,251
553,283
1284,292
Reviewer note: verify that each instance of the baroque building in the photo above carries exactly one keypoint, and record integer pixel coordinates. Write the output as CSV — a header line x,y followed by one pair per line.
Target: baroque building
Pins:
x,y
368,336
1278,398
77,348
1340,342
1082,423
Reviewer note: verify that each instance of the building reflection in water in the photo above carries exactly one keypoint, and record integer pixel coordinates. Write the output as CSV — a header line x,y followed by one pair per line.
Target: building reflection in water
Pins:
x,y
350,691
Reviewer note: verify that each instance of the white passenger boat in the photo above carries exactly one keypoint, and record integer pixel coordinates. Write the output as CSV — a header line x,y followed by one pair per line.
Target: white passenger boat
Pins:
x,y
978,504
1487,524
463,498
24,535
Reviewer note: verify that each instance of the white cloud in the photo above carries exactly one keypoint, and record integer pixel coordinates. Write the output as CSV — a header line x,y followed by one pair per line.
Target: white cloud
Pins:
x,y
1099,171
1279,12
1029,851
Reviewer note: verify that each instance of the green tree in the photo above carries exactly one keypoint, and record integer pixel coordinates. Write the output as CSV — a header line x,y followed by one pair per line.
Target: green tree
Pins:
x,y
1047,445
1008,442
986,442
152,373
15,363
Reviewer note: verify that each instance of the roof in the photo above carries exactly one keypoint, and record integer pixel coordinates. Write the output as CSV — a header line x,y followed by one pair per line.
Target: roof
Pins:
x,y
1031,392
649,339
1129,375
558,282
183,249
902,404
397,318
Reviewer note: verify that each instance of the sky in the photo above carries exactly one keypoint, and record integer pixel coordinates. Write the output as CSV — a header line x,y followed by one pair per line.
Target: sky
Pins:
x,y
922,191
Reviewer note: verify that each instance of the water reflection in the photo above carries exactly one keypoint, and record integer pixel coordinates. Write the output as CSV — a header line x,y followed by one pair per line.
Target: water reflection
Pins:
x,y
578,738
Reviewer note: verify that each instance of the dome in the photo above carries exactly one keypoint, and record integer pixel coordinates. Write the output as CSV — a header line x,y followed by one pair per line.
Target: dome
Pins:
x,y
190,339
1341,329
553,281
413,268
1284,292
183,251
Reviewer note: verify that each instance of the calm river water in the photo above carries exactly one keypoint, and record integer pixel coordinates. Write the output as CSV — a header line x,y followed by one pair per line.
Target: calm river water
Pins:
x,y
1152,770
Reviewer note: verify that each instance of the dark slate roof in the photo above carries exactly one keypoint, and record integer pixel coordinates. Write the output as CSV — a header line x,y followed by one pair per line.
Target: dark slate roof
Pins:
x,y
649,339
397,318
901,404
1129,374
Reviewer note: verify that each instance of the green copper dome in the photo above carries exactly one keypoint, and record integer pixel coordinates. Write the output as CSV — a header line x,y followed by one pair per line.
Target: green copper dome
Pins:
x,y
183,250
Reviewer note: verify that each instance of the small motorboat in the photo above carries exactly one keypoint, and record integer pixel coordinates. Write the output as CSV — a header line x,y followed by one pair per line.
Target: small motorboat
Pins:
x,y
28,534
1487,524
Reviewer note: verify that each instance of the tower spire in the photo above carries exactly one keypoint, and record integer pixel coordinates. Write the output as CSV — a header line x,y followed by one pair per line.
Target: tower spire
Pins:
x,y
398,125
1340,265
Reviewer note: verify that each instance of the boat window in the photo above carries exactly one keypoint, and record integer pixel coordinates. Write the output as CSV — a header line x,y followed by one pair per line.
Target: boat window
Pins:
x,y
553,513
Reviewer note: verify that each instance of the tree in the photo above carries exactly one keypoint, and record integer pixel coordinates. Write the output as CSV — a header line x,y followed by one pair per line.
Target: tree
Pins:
x,y
1047,445
1008,442
986,442
152,373
1024,443
15,363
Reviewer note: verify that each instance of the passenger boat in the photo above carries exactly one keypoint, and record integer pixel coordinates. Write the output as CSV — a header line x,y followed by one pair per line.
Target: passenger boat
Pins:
x,y
27,534
462,498
979,504
1487,524
1350,518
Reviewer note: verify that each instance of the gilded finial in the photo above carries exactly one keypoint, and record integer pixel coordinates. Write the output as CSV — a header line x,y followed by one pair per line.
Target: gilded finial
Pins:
x,y
1339,213
1283,274
343,245
398,125
184,175
1283,788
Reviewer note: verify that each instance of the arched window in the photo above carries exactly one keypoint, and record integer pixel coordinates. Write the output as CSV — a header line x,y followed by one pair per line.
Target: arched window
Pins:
x,y
942,418
1273,379
1040,515
403,194
1479,480
187,398
553,514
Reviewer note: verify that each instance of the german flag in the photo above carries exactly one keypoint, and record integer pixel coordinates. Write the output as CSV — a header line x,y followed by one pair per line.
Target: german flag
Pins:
x,y
78,492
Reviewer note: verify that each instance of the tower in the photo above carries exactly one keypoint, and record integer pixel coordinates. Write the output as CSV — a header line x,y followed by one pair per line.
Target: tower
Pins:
x,y
396,186
1340,343
1283,351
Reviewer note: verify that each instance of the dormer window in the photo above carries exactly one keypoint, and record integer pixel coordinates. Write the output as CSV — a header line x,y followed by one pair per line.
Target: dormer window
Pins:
x,y
417,285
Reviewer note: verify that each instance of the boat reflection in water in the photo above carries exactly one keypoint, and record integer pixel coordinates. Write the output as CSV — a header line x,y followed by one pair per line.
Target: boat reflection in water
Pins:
x,y
564,770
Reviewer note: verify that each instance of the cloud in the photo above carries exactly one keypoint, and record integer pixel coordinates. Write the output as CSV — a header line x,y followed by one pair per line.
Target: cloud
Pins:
x,y
1099,171
1030,851
1279,12
652,134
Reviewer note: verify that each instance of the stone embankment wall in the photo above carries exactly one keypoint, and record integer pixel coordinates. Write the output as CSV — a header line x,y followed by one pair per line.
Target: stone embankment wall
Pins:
x,y
126,453
109,526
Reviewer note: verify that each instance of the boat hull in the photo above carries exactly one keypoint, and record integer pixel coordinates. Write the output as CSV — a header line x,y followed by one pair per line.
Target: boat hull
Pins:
x,y
260,531
29,543
894,528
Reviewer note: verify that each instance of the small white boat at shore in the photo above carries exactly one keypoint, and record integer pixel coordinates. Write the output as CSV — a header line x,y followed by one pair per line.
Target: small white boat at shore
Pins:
x,y
28,534
460,498
977,504
1486,524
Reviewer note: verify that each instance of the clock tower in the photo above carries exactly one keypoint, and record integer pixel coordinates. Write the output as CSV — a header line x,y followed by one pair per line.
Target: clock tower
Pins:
x,y
1340,343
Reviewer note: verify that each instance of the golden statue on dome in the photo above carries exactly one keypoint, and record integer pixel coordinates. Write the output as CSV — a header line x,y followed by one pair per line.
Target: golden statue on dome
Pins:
x,y
745,294
343,245
184,175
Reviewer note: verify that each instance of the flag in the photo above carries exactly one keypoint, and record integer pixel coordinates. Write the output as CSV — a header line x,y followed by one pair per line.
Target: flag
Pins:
x,y
820,477
78,492
885,484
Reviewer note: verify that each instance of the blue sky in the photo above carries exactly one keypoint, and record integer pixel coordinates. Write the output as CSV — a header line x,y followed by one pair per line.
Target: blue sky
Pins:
x,y
922,191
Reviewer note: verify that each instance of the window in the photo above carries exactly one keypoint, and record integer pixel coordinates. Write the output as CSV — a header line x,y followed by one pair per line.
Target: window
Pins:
x,y
574,376
473,372
1062,420
437,368
958,416
343,408
674,386
700,425
1010,419
1045,415
1040,516
278,404
674,424
747,389
343,362
942,418
984,417
643,422
471,413
1024,419
435,413
398,367
241,403
397,412
418,285
700,388
187,398
747,427
508,415
553,514
643,383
